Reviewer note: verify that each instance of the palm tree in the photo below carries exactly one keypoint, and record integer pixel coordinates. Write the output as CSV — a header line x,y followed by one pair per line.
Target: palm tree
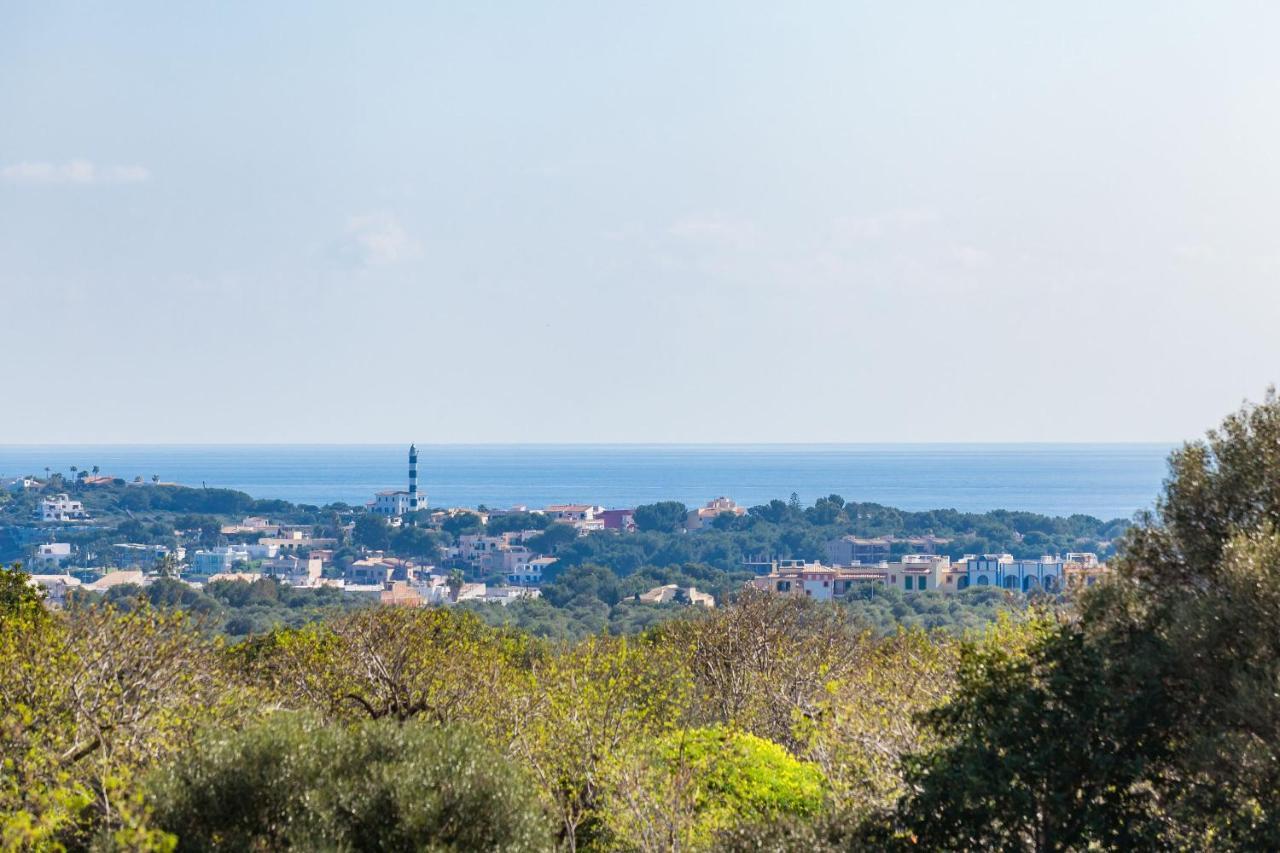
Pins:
x,y
95,470
155,478
456,580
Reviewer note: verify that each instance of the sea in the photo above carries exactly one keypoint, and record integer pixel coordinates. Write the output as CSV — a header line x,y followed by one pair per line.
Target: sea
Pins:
x,y
1103,480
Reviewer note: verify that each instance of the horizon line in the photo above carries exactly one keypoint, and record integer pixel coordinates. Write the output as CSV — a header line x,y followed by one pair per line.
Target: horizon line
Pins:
x,y
621,444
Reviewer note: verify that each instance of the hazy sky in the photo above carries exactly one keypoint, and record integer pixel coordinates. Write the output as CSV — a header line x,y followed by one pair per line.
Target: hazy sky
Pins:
x,y
587,221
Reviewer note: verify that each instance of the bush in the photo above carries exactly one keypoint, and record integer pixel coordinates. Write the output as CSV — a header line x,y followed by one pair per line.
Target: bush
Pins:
x,y
677,792
292,782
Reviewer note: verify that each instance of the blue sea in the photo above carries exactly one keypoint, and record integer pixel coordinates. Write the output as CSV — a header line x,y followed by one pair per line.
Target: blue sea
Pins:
x,y
1103,480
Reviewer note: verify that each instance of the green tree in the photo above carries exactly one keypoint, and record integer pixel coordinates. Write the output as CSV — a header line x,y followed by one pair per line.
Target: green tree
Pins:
x,y
18,597
456,581
581,706
662,517
415,542
1152,720
372,531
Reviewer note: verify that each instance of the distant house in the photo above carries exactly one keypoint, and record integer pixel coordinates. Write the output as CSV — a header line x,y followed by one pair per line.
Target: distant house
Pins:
x,y
399,594
504,595
62,508
671,592
18,484
294,571
51,554
527,570
573,512
619,519
121,578
704,515
138,554
1047,574
931,573
55,587
867,551
857,550
213,561
252,524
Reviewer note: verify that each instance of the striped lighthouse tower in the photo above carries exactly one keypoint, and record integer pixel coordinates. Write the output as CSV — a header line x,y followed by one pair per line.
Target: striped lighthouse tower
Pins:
x,y
413,478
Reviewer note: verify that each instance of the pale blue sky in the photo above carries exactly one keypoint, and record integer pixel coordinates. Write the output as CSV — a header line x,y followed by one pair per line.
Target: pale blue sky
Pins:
x,y
588,221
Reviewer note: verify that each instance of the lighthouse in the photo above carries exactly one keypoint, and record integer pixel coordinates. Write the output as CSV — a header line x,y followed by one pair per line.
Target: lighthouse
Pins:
x,y
413,478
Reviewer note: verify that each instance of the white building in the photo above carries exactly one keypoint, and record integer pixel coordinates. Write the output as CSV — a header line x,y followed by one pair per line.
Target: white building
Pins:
x,y
215,561
526,570
392,504
61,508
1004,571
573,513
55,587
138,554
18,484
504,595
51,554
294,571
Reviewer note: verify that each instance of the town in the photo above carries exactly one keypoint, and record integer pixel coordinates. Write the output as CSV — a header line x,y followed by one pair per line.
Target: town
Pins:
x,y
399,552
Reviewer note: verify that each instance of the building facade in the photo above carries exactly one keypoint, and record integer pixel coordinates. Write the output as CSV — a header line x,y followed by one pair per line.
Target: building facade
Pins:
x,y
62,508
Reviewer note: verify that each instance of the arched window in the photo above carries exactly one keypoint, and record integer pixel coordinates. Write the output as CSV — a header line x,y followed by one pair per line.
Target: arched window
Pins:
x,y
982,580
963,583
1028,583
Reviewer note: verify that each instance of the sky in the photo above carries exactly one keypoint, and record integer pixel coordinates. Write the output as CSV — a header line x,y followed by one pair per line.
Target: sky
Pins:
x,y
636,222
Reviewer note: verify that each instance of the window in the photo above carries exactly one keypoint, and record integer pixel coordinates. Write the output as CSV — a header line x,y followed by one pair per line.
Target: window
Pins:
x,y
924,582
982,580
906,583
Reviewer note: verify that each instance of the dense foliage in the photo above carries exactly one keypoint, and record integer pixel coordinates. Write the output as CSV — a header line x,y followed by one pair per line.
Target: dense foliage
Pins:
x,y
293,782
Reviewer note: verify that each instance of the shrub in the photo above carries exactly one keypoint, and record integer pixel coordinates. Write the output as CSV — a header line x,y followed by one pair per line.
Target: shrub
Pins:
x,y
292,782
678,791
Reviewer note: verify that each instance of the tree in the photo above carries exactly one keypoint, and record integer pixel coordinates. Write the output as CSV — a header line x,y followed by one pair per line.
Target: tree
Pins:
x,y
392,662
662,517
98,698
415,542
766,662
516,521
551,539
1152,720
869,719
372,531
462,522
580,707
168,566
456,581
18,597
